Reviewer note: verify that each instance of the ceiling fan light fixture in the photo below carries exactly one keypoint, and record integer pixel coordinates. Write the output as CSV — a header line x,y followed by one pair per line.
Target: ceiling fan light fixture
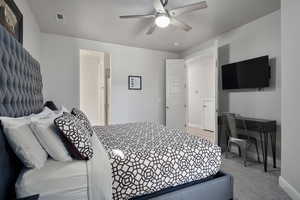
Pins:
x,y
162,21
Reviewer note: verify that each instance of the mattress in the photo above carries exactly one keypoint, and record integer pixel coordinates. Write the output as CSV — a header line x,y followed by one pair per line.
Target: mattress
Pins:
x,y
55,180
148,157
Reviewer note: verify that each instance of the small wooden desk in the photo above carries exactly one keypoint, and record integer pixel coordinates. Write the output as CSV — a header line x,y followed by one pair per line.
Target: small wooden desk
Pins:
x,y
265,128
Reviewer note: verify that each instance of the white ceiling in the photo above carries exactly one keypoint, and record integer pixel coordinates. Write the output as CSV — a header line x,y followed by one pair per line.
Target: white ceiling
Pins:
x,y
98,20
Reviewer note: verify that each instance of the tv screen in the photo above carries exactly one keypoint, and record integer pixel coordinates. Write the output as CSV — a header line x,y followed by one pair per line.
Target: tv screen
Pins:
x,y
253,73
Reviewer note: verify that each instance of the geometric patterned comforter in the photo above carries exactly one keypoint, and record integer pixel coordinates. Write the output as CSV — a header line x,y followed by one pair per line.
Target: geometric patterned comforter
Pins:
x,y
148,157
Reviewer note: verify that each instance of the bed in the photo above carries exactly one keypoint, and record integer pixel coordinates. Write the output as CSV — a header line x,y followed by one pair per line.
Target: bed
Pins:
x,y
148,157
21,94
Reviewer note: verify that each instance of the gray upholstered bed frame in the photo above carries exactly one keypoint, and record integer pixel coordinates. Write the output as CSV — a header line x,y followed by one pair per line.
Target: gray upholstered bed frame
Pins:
x,y
217,187
21,95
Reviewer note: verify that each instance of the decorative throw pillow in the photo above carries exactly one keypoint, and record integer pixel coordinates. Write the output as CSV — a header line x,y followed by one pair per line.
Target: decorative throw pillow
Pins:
x,y
84,119
74,132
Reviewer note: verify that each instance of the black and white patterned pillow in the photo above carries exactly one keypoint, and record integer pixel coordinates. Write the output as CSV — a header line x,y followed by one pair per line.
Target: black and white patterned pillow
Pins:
x,y
84,119
74,132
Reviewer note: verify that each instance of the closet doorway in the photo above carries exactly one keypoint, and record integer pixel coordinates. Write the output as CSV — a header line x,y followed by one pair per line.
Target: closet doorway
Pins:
x,y
95,86
201,70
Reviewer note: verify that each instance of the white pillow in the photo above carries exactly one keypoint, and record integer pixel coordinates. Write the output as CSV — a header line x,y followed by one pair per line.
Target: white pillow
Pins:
x,y
26,146
64,109
19,143
46,113
48,136
9,122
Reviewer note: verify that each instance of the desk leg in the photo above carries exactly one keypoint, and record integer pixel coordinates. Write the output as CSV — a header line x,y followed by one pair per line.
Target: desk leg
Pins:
x,y
262,144
273,140
266,151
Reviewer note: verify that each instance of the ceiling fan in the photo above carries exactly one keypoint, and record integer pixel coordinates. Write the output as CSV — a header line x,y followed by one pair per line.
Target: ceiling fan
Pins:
x,y
164,17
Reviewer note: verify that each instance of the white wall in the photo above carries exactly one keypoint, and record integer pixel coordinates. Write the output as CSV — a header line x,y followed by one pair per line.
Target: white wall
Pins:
x,y
290,174
258,38
200,84
60,68
31,30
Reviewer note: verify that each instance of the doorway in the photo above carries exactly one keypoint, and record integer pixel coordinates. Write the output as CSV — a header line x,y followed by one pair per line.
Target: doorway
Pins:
x,y
95,86
191,93
201,101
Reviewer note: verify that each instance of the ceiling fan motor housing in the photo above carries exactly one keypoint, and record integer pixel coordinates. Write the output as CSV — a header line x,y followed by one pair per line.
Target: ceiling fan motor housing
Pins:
x,y
162,20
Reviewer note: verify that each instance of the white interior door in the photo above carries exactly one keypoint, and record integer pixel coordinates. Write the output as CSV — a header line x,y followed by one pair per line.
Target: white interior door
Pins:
x,y
175,93
209,115
216,100
92,86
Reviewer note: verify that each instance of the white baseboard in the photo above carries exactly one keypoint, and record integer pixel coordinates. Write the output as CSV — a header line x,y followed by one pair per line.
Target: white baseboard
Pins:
x,y
290,190
195,126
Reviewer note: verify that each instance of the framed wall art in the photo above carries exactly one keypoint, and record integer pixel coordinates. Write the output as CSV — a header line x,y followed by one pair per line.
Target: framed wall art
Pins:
x,y
12,19
134,83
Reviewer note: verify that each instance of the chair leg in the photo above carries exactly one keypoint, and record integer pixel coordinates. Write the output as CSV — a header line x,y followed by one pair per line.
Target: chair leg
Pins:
x,y
245,155
256,146
240,152
227,150
262,145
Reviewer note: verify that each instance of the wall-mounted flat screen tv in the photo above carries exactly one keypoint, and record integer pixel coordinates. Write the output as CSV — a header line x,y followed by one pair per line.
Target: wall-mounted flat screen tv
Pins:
x,y
253,73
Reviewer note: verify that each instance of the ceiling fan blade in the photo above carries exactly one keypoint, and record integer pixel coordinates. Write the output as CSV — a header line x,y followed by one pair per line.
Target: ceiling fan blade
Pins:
x,y
188,8
158,6
181,25
137,16
151,29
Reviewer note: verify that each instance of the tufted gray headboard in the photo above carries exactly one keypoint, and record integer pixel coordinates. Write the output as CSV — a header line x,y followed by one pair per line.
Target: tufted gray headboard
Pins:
x,y
20,95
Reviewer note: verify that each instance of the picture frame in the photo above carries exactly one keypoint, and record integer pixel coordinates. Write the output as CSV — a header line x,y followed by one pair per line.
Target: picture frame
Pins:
x,y
134,82
12,19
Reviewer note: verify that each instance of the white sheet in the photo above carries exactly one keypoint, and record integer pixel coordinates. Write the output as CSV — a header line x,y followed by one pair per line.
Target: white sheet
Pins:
x,y
55,181
74,180
99,173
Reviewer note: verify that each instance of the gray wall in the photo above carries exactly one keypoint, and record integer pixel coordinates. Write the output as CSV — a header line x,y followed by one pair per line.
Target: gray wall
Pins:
x,y
60,68
290,173
31,30
261,37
